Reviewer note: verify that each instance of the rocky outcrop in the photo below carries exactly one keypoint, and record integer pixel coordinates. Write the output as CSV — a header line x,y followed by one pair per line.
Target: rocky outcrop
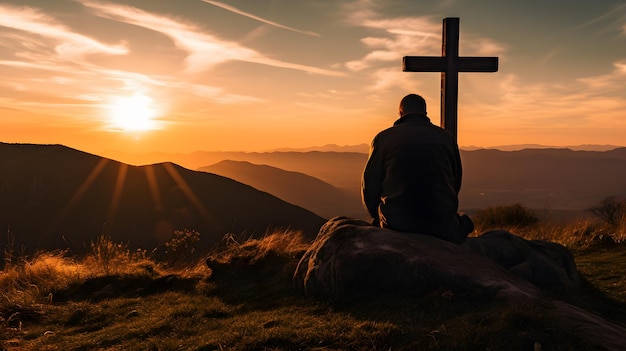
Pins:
x,y
351,257
547,265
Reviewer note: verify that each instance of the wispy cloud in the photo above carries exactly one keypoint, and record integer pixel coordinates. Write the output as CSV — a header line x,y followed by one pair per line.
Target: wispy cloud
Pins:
x,y
48,66
396,37
608,83
204,50
402,36
590,102
391,38
608,22
68,44
254,17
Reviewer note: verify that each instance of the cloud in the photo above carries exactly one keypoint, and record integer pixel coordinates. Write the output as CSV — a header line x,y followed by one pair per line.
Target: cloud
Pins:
x,y
204,50
585,103
69,45
410,36
47,67
389,39
608,83
249,15
614,15
399,37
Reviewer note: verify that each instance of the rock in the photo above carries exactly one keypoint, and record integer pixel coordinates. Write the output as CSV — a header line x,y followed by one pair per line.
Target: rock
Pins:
x,y
351,257
548,265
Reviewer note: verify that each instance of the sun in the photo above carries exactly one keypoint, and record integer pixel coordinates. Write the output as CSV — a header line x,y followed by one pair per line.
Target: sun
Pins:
x,y
133,113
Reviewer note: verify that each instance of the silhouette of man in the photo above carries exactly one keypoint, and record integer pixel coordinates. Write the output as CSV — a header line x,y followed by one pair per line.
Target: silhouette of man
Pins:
x,y
413,177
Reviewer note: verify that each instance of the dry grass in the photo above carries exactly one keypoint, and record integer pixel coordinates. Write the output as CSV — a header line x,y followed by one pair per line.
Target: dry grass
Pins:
x,y
54,302
575,233
280,243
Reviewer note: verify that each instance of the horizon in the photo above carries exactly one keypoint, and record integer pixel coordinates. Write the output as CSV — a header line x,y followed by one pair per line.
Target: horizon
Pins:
x,y
360,148
140,76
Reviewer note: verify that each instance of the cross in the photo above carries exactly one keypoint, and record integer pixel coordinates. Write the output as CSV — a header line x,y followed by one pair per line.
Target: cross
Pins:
x,y
449,64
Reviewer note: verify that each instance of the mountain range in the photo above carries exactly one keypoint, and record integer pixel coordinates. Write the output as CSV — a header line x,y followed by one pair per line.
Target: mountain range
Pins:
x,y
546,179
55,196
518,147
196,159
542,178
52,196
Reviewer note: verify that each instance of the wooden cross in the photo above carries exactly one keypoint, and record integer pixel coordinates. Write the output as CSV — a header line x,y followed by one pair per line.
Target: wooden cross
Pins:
x,y
449,64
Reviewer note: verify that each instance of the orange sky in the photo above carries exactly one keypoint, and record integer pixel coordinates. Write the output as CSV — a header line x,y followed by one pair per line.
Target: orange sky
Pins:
x,y
254,76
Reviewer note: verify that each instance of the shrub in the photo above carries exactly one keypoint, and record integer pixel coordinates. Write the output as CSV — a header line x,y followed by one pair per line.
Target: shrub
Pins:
x,y
509,216
182,245
612,210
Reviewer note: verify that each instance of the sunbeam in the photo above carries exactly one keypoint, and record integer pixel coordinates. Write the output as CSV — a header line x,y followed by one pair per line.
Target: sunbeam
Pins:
x,y
81,191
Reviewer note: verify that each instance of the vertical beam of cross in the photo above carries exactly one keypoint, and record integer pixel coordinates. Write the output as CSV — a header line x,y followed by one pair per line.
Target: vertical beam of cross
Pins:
x,y
449,64
450,76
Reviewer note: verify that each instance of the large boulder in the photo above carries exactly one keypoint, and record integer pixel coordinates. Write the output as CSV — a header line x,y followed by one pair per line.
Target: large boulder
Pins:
x,y
352,257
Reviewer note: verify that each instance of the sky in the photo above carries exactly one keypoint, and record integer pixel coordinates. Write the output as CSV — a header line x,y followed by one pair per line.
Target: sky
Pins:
x,y
255,75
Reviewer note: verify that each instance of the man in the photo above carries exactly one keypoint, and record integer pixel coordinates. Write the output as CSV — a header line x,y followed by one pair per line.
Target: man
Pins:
x,y
413,177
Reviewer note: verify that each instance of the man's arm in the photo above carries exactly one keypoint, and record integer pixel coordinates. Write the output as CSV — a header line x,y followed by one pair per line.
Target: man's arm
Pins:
x,y
458,175
371,183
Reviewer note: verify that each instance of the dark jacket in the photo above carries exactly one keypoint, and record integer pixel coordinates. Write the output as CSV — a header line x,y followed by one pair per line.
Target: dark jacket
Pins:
x,y
413,177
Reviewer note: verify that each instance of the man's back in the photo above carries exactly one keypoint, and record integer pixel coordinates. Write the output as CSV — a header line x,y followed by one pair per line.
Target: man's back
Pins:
x,y
413,176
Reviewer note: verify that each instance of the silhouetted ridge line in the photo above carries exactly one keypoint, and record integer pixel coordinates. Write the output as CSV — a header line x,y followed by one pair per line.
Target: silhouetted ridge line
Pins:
x,y
52,195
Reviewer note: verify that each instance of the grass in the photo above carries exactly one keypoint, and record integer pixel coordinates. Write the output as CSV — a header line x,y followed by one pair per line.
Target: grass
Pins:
x,y
247,302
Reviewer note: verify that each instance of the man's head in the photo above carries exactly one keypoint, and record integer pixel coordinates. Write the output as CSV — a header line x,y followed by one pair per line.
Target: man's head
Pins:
x,y
412,103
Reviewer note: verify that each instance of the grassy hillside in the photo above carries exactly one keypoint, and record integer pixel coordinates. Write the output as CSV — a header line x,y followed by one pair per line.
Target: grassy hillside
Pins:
x,y
54,197
127,301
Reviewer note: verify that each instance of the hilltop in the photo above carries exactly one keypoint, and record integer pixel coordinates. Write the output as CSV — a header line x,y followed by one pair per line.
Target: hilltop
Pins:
x,y
55,197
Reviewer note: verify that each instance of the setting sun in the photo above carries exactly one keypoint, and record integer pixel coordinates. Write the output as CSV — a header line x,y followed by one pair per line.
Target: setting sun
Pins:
x,y
133,113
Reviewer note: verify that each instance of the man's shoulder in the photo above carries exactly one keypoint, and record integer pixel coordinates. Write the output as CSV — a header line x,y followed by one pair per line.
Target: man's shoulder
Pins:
x,y
403,134
415,127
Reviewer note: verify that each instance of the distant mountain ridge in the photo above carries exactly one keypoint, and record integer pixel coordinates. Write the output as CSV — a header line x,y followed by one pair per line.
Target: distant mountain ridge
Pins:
x,y
363,148
559,179
571,180
197,159
542,178
294,187
52,196
517,147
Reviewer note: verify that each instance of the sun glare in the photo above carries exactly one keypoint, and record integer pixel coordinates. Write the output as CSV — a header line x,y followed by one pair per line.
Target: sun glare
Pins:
x,y
133,113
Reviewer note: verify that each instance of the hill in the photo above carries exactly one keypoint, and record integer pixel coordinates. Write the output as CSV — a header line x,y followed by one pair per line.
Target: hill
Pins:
x,y
341,169
294,187
52,196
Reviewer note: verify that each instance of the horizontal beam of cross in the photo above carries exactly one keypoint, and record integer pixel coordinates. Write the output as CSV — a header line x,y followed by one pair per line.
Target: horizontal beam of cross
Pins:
x,y
439,64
